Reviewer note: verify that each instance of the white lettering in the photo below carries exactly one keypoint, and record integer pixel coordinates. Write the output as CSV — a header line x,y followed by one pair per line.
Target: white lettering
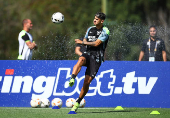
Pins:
x,y
46,91
28,80
144,88
68,75
113,77
128,83
6,84
118,90
104,84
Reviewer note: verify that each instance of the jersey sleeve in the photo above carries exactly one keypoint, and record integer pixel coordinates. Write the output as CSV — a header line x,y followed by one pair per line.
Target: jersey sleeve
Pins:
x,y
143,46
25,37
86,35
104,35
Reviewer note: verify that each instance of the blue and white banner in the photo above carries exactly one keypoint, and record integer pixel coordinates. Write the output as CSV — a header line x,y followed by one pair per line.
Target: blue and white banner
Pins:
x,y
117,83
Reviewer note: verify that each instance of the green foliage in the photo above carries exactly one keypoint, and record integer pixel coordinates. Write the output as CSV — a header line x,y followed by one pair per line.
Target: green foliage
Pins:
x,y
126,19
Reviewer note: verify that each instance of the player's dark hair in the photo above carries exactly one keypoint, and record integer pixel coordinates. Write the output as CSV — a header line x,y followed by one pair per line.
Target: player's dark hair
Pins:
x,y
153,26
100,15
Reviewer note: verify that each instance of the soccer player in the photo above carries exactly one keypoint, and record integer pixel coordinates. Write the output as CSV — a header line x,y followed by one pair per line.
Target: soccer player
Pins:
x,y
96,39
153,48
26,42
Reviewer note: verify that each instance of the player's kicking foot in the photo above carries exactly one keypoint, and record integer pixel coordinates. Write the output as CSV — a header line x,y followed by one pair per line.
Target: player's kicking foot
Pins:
x,y
75,107
71,82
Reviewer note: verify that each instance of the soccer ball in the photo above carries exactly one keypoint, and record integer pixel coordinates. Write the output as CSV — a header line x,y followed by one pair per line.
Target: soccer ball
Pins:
x,y
57,18
82,103
35,103
45,103
57,102
70,102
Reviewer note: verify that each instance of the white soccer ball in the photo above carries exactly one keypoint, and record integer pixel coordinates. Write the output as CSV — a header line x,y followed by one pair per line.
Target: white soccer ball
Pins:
x,y
82,103
70,102
45,103
35,103
57,18
57,102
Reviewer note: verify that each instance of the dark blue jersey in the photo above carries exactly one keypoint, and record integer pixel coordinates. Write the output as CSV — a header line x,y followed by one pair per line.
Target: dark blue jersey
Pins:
x,y
92,35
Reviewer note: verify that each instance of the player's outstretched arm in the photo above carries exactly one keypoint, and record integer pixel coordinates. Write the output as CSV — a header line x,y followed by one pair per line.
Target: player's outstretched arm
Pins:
x,y
95,43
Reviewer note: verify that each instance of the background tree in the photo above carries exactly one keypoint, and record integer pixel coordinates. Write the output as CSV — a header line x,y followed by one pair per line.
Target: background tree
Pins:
x,y
128,21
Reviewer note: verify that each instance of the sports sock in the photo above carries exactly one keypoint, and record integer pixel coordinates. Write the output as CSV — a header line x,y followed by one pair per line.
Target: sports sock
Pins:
x,y
79,100
73,76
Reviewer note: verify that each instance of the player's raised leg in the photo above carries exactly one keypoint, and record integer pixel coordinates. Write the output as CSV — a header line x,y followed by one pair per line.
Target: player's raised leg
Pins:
x,y
76,70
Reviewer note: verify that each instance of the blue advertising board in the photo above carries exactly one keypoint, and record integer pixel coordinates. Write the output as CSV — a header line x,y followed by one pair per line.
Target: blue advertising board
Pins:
x,y
117,83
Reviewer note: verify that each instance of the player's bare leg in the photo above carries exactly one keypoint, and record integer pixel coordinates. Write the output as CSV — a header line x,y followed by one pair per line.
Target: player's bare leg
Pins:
x,y
85,87
76,70
77,67
83,92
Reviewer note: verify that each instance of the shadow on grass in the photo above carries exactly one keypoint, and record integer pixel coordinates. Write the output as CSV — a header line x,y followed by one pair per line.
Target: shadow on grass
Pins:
x,y
110,111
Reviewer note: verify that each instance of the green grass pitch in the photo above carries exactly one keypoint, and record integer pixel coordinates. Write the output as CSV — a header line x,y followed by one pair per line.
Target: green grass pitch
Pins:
x,y
26,112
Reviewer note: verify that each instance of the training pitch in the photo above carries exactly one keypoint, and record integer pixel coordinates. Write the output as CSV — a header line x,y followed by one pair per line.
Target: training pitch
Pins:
x,y
26,112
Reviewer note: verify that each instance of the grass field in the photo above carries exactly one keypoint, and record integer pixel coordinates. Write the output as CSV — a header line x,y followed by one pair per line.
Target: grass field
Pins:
x,y
25,112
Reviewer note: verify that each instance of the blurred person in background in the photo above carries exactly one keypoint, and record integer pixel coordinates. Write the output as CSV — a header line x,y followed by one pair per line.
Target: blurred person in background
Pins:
x,y
153,49
26,42
80,49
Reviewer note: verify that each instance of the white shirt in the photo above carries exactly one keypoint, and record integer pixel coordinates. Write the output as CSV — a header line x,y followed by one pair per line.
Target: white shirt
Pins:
x,y
24,52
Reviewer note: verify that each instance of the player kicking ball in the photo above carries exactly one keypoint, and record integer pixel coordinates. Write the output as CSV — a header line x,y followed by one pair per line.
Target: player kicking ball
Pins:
x,y
95,39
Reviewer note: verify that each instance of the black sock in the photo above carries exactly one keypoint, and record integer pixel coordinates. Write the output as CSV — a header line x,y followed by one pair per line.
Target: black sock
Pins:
x,y
73,76
79,100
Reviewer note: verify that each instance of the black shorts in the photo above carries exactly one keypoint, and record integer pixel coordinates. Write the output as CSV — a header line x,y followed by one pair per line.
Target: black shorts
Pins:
x,y
91,64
